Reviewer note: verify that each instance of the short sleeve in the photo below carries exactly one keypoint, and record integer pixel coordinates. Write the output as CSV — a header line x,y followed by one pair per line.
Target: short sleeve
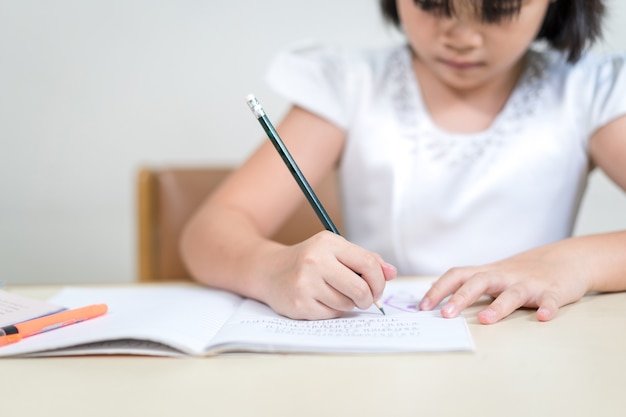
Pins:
x,y
609,96
314,78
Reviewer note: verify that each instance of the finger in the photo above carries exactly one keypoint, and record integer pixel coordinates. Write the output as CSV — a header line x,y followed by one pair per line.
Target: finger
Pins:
x,y
447,284
367,266
467,294
310,298
548,306
507,302
346,287
309,309
319,312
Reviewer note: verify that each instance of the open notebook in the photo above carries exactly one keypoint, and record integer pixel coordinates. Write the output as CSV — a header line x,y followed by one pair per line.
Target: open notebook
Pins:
x,y
15,308
188,320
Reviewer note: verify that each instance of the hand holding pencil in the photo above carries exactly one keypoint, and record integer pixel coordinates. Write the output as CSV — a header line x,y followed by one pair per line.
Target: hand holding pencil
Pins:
x,y
321,213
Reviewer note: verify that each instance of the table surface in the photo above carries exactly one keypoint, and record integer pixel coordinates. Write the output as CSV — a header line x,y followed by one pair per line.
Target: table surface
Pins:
x,y
574,365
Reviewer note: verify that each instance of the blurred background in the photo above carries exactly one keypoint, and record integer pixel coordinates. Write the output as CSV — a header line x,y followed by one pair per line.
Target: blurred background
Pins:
x,y
90,91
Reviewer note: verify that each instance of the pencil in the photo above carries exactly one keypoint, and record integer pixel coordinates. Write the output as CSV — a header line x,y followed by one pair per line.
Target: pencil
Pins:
x,y
310,195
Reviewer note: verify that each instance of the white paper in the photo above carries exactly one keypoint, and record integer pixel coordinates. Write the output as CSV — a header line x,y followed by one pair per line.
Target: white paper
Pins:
x,y
403,328
15,308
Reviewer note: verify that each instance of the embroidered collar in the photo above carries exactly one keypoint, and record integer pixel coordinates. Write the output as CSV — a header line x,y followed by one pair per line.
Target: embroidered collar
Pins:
x,y
415,122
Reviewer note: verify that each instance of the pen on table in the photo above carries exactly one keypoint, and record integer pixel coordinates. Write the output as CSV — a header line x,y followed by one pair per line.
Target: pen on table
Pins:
x,y
310,195
16,332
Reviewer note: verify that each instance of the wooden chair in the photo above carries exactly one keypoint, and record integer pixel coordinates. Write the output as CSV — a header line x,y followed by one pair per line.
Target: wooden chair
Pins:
x,y
167,197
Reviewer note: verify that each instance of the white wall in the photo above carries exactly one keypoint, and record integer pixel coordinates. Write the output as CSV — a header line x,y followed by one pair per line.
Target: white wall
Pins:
x,y
91,90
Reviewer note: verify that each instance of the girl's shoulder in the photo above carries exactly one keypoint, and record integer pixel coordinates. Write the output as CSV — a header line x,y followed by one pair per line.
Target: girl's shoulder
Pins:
x,y
332,81
591,90
593,70
340,61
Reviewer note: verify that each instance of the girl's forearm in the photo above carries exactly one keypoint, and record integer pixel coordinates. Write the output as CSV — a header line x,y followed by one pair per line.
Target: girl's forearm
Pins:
x,y
605,256
222,248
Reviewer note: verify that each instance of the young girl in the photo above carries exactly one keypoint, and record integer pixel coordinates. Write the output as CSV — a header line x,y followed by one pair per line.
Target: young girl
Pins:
x,y
466,146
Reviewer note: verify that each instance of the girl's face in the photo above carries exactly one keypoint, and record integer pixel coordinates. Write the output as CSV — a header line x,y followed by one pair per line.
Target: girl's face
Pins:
x,y
464,52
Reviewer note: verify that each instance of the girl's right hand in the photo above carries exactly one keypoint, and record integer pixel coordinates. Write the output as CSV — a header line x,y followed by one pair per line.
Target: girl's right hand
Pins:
x,y
323,277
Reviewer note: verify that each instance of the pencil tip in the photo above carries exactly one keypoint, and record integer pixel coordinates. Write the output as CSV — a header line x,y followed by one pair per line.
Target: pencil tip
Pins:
x,y
379,305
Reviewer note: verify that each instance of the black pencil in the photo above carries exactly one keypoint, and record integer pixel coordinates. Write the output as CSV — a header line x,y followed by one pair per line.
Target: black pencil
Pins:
x,y
310,195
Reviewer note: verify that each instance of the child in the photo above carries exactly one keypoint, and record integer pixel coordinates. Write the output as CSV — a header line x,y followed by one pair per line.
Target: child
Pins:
x,y
467,146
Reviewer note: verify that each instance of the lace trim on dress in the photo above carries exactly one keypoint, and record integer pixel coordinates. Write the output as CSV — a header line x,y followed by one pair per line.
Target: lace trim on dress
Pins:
x,y
454,149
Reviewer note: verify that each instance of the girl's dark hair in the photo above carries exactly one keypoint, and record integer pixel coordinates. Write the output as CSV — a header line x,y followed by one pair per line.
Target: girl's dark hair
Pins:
x,y
570,25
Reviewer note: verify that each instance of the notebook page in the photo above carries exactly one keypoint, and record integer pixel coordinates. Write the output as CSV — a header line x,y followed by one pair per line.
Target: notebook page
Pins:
x,y
15,308
402,329
182,317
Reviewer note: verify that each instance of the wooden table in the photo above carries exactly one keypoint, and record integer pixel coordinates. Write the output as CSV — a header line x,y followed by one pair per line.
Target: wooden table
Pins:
x,y
574,365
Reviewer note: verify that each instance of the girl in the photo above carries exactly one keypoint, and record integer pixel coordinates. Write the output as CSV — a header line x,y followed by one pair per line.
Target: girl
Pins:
x,y
469,145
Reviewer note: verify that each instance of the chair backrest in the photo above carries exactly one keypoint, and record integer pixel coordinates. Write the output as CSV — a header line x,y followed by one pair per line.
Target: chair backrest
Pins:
x,y
167,197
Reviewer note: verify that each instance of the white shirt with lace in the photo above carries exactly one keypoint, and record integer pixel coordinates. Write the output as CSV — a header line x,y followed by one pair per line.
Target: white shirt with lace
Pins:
x,y
428,200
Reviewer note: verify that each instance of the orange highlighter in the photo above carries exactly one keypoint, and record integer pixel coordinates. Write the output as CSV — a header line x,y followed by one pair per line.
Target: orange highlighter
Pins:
x,y
16,332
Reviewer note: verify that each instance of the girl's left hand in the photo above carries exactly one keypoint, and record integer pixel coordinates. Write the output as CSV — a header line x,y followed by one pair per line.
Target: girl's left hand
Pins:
x,y
545,278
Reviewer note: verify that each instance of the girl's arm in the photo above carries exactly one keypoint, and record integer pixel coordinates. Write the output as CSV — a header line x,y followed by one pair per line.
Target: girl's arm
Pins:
x,y
226,243
550,276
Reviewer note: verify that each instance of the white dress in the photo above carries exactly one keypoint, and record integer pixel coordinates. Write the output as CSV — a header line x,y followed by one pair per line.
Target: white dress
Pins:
x,y
428,200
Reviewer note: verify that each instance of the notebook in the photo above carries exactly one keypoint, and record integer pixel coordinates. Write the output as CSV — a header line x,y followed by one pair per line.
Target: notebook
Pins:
x,y
190,320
